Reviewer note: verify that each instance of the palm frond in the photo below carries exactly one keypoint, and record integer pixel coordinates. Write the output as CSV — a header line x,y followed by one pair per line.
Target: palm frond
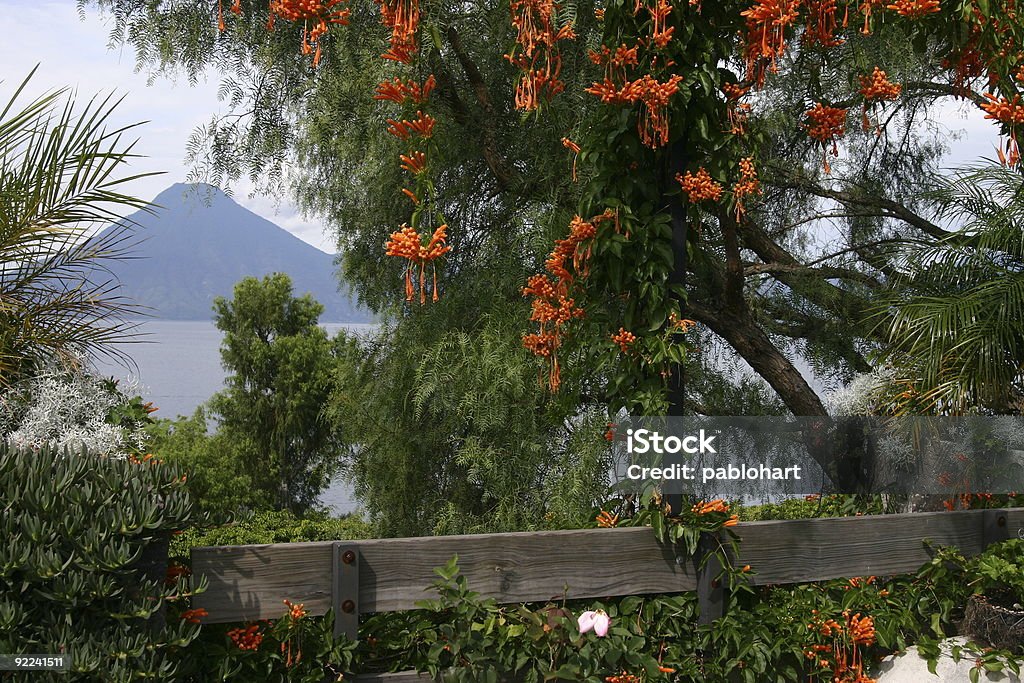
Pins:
x,y
61,180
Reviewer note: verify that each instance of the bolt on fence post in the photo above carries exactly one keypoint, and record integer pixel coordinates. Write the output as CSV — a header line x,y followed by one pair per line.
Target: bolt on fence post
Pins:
x,y
345,599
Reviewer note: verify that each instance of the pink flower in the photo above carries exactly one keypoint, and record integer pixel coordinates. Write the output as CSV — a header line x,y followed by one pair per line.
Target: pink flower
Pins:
x,y
599,621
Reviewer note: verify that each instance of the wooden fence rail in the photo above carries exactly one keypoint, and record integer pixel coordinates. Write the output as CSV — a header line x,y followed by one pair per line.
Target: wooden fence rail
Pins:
x,y
384,575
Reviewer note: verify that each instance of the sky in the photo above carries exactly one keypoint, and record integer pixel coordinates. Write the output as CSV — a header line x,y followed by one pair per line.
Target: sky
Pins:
x,y
74,53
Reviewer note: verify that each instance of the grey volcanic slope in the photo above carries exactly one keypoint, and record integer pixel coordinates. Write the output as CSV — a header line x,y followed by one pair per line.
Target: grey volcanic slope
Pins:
x,y
200,243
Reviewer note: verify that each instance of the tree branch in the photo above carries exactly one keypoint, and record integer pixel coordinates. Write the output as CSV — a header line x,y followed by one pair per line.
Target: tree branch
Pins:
x,y
504,173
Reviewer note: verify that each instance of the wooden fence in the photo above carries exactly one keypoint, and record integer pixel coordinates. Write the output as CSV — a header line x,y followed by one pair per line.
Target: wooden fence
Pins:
x,y
385,575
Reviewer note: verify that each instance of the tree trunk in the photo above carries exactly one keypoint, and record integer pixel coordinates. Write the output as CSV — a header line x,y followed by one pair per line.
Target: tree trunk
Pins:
x,y
755,347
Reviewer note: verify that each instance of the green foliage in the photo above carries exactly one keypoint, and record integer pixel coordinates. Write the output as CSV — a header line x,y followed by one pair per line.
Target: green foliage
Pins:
x,y
813,506
292,649
218,478
82,566
956,327
280,365
279,526
765,634
457,435
60,178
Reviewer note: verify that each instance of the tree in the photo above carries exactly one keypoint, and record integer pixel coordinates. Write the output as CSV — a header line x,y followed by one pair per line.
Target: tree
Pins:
x,y
957,330
709,162
60,178
280,364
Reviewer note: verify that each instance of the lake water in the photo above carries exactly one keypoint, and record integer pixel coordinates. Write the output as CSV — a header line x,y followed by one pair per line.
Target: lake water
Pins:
x,y
178,368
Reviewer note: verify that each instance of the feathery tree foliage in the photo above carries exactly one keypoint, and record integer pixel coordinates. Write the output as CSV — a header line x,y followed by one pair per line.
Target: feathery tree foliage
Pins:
x,y
61,176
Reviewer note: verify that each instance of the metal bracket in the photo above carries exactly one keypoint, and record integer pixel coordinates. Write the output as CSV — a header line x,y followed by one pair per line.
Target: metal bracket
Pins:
x,y
994,527
345,598
710,592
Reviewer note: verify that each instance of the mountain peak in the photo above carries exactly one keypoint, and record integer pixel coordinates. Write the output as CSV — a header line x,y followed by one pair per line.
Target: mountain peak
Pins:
x,y
199,242
196,191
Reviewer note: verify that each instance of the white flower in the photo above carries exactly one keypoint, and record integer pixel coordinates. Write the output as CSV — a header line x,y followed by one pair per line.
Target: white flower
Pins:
x,y
599,621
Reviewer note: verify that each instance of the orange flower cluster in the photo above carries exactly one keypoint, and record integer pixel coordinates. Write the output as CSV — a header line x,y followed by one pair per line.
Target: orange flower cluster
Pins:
x,y
867,8
877,86
320,13
422,125
295,611
767,22
680,324
826,124
914,9
734,91
1020,74
406,243
402,18
399,91
700,186
747,185
551,313
661,34
414,162
175,572
860,581
537,37
652,94
862,629
248,638
822,23
716,505
624,677
738,111
552,308
1009,112
624,338
193,616
843,656
615,61
606,520
654,97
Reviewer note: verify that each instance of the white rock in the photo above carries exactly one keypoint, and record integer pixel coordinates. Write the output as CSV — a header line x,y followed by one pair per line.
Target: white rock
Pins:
x,y
910,667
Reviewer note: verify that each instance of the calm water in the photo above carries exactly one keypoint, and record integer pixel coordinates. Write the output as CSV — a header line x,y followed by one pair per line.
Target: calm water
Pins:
x,y
179,368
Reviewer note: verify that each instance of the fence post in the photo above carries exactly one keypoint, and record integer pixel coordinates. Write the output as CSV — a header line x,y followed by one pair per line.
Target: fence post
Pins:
x,y
345,598
994,527
710,592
